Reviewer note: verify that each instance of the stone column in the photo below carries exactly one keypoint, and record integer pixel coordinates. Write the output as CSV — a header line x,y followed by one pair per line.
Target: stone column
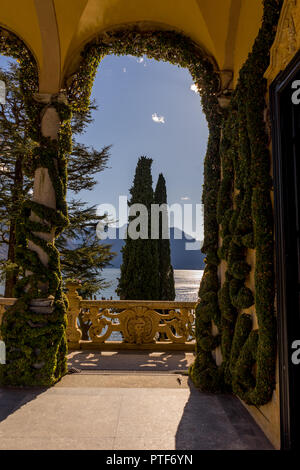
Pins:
x,y
43,191
34,328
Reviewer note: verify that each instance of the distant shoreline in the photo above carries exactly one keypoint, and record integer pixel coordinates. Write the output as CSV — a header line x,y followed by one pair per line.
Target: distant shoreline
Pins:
x,y
175,269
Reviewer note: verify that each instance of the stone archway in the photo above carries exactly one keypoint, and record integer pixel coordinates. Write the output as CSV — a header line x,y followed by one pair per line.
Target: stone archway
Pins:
x,y
214,88
34,327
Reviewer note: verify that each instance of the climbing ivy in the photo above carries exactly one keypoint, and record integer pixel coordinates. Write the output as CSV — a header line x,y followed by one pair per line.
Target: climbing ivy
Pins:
x,y
244,212
36,341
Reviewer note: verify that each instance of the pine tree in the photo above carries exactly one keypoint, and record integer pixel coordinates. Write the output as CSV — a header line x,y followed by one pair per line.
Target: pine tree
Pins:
x,y
139,279
82,255
15,174
166,273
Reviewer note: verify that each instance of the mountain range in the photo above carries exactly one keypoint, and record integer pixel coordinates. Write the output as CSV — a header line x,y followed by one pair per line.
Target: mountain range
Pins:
x,y
181,257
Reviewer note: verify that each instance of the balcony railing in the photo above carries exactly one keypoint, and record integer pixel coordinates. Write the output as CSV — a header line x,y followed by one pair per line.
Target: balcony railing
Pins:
x,y
129,324
126,324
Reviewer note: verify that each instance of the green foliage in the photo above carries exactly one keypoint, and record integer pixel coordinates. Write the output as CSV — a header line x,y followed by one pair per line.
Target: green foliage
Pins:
x,y
227,309
36,343
82,254
168,46
140,267
243,328
166,273
16,149
244,377
244,212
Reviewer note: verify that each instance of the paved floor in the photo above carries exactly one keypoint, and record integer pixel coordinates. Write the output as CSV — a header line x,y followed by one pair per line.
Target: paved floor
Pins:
x,y
143,361
125,410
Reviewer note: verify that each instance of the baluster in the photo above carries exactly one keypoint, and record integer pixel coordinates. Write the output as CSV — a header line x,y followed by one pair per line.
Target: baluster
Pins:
x,y
1,315
73,332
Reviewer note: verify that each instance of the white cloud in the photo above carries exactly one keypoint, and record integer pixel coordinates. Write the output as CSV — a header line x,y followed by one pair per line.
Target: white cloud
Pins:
x,y
194,88
124,69
185,198
159,119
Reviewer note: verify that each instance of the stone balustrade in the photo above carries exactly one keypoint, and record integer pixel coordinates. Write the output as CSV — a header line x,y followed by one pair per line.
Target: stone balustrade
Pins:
x,y
125,324
154,325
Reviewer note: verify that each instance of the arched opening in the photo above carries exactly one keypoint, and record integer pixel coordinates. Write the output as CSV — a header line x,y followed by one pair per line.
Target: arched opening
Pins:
x,y
54,138
170,47
150,108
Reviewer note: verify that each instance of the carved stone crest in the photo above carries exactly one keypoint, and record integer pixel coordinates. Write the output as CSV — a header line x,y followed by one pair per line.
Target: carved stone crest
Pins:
x,y
287,40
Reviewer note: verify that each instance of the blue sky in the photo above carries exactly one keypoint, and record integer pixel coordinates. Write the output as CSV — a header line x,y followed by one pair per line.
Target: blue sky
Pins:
x,y
129,91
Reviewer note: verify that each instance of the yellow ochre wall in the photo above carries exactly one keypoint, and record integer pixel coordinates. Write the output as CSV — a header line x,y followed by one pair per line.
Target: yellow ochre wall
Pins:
x,y
285,46
56,30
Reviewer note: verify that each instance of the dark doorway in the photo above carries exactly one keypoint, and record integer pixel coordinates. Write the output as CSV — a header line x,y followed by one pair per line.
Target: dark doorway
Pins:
x,y
285,111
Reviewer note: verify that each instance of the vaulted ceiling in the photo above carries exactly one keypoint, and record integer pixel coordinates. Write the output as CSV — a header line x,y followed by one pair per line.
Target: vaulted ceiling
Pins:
x,y
56,30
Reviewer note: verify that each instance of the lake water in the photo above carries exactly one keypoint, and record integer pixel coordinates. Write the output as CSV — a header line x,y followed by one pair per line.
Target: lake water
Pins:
x,y
186,284
186,287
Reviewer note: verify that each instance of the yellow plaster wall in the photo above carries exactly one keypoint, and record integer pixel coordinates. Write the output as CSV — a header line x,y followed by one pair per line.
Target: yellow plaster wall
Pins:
x,y
68,24
249,24
20,17
285,46
268,416
226,13
287,40
225,29
171,14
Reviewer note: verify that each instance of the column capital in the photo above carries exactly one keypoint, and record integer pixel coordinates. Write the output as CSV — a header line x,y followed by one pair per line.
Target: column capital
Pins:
x,y
48,98
224,95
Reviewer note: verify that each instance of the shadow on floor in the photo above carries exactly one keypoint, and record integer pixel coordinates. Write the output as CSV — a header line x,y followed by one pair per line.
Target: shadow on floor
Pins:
x,y
12,399
218,422
130,361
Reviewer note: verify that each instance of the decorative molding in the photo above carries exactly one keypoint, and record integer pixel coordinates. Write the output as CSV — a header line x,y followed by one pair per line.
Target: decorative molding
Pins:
x,y
226,88
139,322
287,39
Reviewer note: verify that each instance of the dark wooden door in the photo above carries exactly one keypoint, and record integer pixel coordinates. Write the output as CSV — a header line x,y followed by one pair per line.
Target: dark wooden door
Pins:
x,y
285,104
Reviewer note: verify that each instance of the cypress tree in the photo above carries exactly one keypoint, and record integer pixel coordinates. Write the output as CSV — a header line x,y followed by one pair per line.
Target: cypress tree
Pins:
x,y
139,279
166,273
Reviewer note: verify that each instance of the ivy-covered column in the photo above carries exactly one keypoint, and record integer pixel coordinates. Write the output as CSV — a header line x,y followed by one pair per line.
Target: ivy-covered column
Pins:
x,y
33,329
